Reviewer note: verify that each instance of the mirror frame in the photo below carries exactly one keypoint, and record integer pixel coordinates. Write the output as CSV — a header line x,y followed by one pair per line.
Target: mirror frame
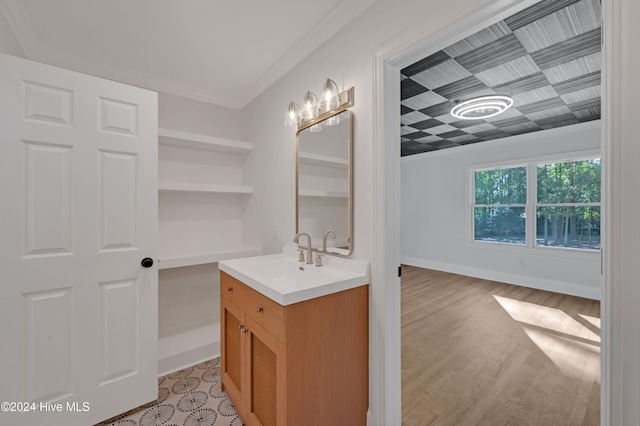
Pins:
x,y
346,102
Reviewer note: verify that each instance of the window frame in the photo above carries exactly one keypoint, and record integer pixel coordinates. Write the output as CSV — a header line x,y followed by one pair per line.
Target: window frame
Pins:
x,y
531,164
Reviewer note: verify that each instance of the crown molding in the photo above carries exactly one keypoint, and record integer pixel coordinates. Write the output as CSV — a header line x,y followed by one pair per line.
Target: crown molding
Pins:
x,y
337,19
13,11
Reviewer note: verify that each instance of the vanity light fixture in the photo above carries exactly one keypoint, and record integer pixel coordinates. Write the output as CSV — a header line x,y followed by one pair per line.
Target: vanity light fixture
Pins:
x,y
313,113
481,107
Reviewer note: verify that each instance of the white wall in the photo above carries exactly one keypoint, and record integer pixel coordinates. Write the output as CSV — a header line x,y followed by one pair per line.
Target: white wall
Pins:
x,y
348,58
189,115
435,217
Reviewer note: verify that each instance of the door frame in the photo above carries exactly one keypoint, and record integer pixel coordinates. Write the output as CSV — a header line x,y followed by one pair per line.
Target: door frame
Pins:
x,y
388,60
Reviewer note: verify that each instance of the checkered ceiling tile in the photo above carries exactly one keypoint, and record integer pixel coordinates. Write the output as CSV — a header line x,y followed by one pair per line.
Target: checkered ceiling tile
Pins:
x,y
547,58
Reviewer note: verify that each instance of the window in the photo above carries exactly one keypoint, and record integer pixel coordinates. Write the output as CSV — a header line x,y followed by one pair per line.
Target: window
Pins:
x,y
499,212
563,198
568,204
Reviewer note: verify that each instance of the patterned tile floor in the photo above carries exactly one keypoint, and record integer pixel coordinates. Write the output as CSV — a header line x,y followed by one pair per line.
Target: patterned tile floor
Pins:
x,y
189,397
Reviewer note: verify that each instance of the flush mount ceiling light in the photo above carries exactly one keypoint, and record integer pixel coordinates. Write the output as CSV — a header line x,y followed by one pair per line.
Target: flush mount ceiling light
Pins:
x,y
481,107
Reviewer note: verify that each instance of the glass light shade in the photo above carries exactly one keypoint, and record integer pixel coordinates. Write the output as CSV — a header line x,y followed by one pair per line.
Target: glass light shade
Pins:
x,y
482,107
292,116
310,106
330,95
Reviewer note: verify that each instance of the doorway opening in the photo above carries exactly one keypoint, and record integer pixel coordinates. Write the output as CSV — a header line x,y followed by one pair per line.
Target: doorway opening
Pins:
x,y
390,66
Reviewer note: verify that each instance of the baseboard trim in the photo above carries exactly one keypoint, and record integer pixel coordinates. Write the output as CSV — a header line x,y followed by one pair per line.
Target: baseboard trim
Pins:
x,y
521,280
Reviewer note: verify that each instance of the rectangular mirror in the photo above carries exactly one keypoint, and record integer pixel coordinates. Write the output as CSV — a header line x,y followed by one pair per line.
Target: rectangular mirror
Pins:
x,y
324,183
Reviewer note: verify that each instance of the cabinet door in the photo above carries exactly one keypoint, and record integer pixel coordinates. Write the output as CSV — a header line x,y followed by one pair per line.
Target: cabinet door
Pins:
x,y
265,380
232,349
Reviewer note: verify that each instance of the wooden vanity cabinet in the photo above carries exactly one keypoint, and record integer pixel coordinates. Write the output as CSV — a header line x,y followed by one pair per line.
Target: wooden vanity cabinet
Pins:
x,y
300,364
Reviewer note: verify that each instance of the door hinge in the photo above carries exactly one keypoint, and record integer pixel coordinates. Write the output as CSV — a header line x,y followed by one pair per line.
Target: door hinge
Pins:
x,y
399,271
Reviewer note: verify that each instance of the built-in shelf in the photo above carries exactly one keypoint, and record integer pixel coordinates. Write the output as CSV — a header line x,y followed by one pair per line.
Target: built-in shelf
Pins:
x,y
322,160
199,258
196,141
199,224
318,193
198,187
191,347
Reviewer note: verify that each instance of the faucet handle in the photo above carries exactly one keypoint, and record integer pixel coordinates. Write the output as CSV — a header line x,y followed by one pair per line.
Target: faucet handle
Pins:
x,y
319,259
300,255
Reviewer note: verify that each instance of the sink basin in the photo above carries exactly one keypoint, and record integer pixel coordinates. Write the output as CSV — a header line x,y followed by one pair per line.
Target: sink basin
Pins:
x,y
285,281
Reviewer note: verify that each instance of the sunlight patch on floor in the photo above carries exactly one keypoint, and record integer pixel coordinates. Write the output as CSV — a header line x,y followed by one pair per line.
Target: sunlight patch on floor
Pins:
x,y
593,320
547,318
569,342
569,355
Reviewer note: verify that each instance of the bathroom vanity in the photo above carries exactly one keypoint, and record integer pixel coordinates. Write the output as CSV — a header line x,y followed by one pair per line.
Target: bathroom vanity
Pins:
x,y
294,344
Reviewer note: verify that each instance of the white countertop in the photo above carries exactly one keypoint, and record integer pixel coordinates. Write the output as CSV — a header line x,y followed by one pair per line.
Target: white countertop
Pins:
x,y
286,281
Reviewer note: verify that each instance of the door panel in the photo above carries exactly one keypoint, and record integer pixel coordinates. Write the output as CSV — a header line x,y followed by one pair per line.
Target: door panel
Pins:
x,y
119,340
118,200
48,195
79,212
49,373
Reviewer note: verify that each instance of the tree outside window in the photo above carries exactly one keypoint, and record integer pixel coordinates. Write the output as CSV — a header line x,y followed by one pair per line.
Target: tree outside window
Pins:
x,y
568,204
565,197
499,212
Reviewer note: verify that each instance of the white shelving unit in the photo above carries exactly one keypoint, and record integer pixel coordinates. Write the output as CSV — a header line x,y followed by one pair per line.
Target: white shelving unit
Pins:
x,y
201,200
199,258
202,142
196,187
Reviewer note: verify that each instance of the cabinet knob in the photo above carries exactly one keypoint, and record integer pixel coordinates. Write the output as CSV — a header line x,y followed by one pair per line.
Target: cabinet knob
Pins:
x,y
147,262
240,326
259,309
229,289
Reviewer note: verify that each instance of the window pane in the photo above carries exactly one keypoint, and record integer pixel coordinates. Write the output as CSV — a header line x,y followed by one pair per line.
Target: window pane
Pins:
x,y
575,227
500,224
501,186
571,182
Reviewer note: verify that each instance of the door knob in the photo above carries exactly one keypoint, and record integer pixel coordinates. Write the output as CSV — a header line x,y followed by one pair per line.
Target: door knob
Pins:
x,y
147,262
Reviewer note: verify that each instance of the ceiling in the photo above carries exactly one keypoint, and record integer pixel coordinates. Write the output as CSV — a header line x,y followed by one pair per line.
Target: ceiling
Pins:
x,y
223,52
546,57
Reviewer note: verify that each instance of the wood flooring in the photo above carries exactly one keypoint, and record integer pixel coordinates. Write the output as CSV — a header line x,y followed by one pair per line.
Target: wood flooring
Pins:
x,y
480,353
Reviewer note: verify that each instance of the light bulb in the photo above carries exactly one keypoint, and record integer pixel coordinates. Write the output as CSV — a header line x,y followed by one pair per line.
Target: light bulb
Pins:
x,y
292,116
310,106
330,94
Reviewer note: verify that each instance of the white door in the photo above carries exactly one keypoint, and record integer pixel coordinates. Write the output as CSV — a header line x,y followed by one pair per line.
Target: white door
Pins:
x,y
78,213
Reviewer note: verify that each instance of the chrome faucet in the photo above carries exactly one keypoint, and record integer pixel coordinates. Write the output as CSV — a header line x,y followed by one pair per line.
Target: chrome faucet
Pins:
x,y
324,239
309,252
